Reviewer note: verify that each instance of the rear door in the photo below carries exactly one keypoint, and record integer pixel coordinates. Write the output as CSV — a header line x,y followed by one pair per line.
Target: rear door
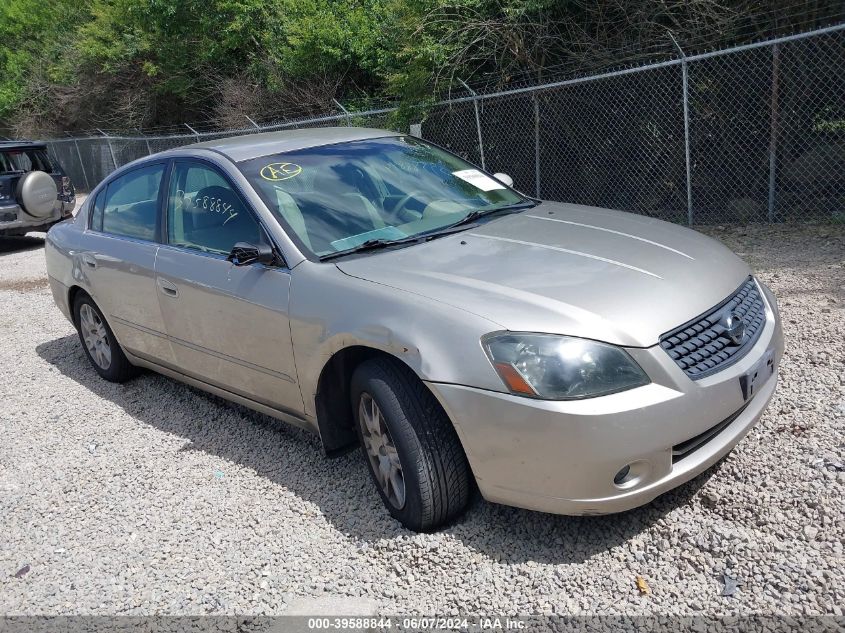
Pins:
x,y
119,260
228,324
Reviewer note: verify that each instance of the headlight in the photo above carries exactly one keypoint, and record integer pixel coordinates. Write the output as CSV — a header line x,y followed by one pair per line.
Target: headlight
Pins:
x,y
555,367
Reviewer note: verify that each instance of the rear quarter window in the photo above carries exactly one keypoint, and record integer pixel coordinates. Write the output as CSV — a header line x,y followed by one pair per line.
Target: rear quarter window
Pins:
x,y
24,160
97,211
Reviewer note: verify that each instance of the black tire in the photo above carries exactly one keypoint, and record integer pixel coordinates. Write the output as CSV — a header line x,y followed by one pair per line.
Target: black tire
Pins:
x,y
438,482
119,368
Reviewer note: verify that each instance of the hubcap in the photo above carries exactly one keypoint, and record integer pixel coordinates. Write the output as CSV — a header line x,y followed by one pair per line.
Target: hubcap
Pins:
x,y
95,336
381,451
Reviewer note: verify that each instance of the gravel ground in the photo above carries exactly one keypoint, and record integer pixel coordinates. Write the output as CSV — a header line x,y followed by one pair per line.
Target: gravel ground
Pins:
x,y
151,497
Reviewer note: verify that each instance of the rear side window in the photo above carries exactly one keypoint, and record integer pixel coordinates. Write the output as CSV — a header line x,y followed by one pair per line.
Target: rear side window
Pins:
x,y
24,160
130,206
6,164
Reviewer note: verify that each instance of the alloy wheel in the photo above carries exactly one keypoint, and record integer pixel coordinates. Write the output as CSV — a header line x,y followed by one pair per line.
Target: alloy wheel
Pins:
x,y
381,451
95,336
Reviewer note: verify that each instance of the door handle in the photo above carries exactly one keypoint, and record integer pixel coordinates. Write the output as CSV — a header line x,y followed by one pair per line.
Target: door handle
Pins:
x,y
89,260
167,288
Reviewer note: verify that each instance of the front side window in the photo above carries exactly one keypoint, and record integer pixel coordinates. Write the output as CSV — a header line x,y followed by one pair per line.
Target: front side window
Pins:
x,y
204,213
130,207
337,197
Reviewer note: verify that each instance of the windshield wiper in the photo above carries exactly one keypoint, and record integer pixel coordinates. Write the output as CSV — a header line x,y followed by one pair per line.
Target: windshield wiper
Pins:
x,y
371,245
469,218
475,214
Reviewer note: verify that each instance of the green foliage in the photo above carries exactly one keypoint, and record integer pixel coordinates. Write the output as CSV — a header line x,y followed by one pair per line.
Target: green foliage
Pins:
x,y
134,63
441,40
330,36
33,38
169,41
184,46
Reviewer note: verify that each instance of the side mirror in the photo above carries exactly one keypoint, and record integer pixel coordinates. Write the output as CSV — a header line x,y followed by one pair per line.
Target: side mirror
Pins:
x,y
244,253
504,179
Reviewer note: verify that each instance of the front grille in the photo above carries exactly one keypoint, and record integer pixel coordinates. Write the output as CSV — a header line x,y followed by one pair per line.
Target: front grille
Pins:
x,y
679,451
703,346
8,216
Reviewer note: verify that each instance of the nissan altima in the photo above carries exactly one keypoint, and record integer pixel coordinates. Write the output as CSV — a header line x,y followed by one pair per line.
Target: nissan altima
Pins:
x,y
384,293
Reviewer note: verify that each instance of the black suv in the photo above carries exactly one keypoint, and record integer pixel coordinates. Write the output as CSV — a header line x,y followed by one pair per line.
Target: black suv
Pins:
x,y
35,193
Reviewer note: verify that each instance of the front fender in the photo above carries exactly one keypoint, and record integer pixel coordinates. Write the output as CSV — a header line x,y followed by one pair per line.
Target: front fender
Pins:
x,y
331,311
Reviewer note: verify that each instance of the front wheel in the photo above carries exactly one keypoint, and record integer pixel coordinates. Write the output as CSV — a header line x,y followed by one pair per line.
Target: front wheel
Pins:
x,y
410,446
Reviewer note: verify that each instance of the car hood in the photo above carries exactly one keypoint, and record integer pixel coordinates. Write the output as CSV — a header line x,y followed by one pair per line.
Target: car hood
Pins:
x,y
567,269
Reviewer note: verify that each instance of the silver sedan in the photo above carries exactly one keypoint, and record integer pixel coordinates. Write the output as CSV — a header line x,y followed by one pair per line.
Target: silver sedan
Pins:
x,y
382,292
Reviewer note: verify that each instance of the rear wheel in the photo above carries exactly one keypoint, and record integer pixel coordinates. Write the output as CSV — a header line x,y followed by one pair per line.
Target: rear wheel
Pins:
x,y
411,448
99,343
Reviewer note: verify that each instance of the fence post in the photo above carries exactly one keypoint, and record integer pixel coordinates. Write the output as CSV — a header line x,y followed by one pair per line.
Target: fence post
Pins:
x,y
111,149
536,145
773,139
254,124
685,75
345,112
82,165
477,122
197,134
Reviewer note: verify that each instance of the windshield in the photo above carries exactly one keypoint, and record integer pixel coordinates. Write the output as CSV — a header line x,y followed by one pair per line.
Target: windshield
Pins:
x,y
337,197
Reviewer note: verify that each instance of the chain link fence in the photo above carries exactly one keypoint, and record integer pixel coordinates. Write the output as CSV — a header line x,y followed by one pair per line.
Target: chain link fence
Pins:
x,y
755,133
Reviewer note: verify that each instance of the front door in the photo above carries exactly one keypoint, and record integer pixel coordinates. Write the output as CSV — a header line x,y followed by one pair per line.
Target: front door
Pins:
x,y
228,324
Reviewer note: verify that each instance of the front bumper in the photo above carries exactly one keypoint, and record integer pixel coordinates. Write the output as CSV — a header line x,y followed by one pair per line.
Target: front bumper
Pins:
x,y
562,457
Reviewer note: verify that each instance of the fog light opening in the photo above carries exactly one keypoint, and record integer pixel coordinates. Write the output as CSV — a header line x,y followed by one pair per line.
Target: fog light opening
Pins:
x,y
632,475
622,476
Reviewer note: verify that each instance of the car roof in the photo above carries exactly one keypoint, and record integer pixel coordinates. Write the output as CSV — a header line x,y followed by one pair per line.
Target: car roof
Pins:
x,y
21,145
249,146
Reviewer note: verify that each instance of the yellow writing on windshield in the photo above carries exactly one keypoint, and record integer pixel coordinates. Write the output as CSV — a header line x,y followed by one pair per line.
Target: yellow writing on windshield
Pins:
x,y
280,171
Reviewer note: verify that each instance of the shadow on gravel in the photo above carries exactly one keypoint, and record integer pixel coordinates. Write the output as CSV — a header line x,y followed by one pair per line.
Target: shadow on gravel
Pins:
x,y
340,487
17,244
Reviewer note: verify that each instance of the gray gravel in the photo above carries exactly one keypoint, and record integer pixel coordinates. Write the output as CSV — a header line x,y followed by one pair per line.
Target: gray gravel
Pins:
x,y
152,497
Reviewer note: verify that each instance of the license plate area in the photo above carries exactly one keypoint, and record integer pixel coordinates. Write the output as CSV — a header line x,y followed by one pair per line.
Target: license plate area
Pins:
x,y
751,381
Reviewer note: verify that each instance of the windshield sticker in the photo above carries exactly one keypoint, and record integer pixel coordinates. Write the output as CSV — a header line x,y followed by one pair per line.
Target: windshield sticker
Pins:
x,y
479,180
275,172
